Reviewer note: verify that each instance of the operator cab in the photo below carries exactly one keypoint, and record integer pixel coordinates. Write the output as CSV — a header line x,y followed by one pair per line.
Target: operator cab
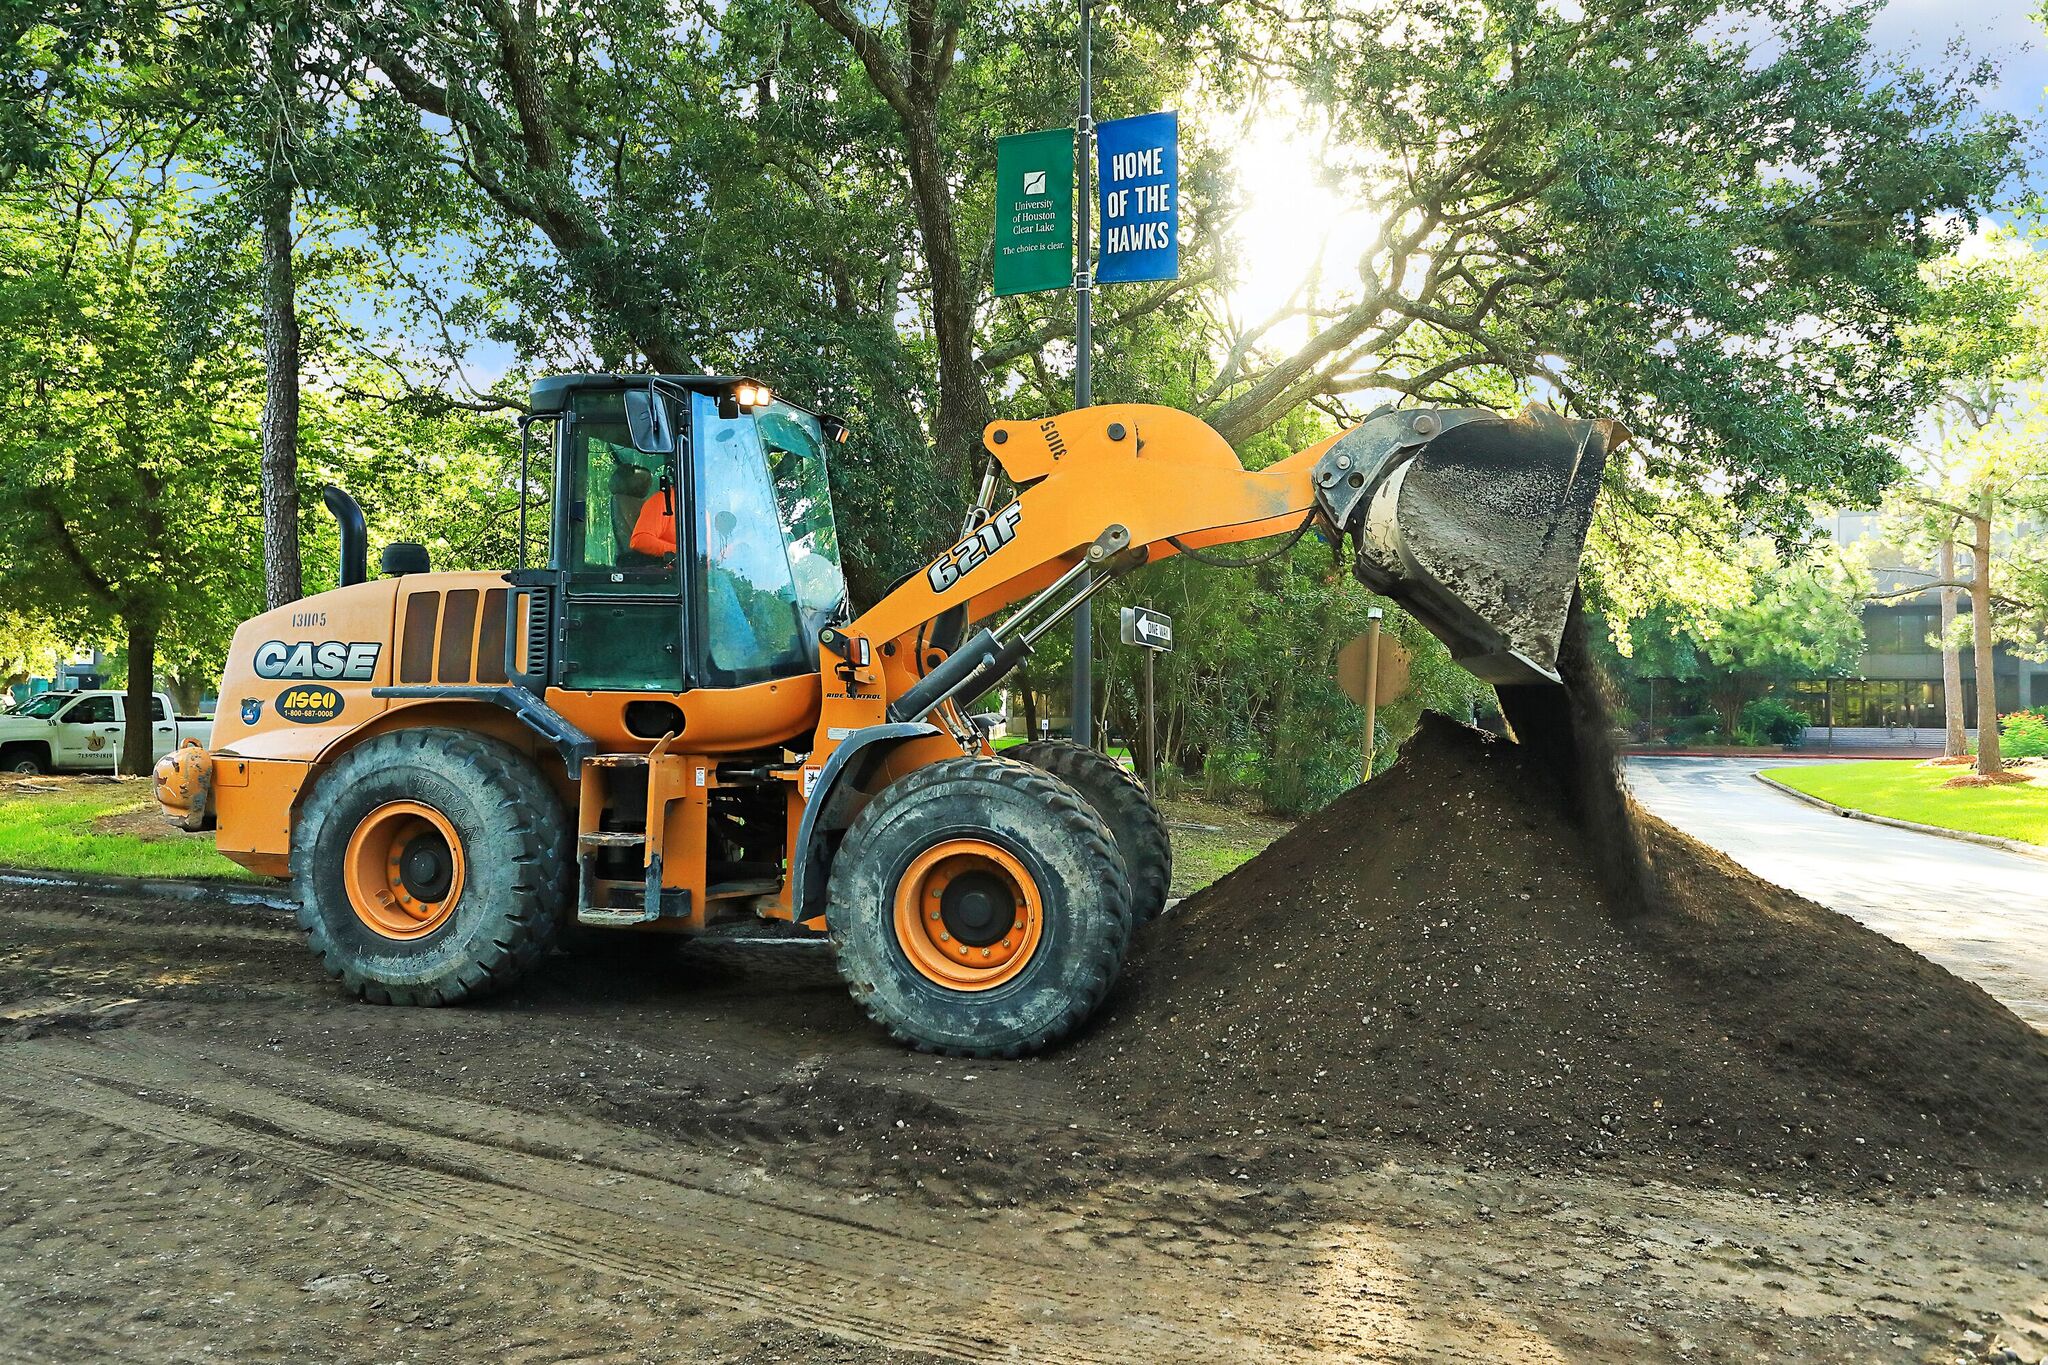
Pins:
x,y
691,540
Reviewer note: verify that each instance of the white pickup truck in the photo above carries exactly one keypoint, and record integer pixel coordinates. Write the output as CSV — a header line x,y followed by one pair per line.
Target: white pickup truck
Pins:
x,y
82,731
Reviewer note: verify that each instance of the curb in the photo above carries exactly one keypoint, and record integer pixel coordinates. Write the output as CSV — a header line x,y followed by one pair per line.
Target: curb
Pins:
x,y
1799,756
2034,851
218,893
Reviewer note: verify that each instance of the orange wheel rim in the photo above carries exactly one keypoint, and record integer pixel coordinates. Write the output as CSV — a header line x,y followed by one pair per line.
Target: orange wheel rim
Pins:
x,y
403,870
968,915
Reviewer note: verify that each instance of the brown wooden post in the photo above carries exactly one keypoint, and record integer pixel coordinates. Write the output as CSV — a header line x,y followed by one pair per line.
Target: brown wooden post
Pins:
x,y
1372,684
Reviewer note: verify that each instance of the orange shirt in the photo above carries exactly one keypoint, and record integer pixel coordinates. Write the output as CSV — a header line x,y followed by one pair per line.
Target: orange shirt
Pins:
x,y
654,530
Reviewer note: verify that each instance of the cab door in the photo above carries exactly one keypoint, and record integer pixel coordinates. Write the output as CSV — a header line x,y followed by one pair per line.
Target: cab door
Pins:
x,y
617,530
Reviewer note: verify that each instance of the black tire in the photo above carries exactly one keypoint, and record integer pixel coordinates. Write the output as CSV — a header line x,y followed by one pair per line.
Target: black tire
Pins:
x,y
1120,799
514,845
1053,833
22,758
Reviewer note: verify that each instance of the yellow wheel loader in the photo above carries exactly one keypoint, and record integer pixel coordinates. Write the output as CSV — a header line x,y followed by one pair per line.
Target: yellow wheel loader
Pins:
x,y
681,725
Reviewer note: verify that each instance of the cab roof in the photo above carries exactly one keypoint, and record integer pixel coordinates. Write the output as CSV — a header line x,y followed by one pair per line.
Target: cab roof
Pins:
x,y
551,393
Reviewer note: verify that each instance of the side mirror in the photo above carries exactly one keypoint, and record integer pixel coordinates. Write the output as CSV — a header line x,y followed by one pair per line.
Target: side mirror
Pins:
x,y
647,421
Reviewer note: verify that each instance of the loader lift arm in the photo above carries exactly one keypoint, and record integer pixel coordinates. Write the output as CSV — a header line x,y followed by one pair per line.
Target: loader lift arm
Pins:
x,y
1473,521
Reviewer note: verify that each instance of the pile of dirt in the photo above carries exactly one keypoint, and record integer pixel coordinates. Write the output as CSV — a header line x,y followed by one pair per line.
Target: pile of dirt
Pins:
x,y
1433,960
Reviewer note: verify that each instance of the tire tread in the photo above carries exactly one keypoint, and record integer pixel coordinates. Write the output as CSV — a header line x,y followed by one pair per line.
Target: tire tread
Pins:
x,y
1078,821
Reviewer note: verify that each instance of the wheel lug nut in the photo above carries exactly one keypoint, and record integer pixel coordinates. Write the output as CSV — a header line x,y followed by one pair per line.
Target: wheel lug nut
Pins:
x,y
984,952
944,937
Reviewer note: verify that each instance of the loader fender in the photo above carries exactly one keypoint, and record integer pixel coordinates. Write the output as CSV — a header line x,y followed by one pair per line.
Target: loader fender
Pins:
x,y
830,806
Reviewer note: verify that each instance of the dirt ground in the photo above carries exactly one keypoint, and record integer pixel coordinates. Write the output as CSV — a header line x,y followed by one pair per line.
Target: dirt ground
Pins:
x,y
1433,958
207,1154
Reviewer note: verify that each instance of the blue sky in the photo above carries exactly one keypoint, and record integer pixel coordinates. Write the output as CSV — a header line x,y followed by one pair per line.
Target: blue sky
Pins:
x,y
2005,29
1917,31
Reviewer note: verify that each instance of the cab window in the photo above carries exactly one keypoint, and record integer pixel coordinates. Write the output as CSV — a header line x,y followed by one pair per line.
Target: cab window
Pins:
x,y
622,502
91,711
747,592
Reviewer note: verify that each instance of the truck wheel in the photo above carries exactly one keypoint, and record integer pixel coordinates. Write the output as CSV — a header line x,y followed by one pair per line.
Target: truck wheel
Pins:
x,y
1120,799
431,866
22,759
979,909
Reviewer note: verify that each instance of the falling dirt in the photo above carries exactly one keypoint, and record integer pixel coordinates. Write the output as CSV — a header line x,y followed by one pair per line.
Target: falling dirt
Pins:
x,y
1434,961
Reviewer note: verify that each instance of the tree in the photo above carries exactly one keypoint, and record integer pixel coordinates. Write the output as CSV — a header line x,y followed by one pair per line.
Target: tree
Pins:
x,y
275,192
28,647
1773,615
1702,219
120,455
1978,460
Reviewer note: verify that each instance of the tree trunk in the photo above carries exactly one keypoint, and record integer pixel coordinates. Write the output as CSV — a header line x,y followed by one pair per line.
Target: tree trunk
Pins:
x,y
963,403
280,436
136,757
1030,701
1957,744
187,693
1988,759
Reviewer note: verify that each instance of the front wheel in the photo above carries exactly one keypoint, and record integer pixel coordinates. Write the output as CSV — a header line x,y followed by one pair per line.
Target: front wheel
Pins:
x,y
431,867
23,760
979,908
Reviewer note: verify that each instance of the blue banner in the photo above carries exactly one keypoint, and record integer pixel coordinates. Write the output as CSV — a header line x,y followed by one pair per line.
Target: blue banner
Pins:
x,y
1139,162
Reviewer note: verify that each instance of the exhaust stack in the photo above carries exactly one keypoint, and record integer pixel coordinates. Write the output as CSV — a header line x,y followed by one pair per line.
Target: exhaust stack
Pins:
x,y
1474,522
355,535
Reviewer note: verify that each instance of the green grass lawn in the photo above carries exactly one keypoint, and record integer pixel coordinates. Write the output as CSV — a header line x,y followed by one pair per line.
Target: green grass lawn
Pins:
x,y
1226,839
112,828
1908,791
55,831
1116,751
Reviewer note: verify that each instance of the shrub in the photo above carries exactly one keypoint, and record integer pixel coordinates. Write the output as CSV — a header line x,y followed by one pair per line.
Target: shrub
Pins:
x,y
1694,729
2023,734
1770,721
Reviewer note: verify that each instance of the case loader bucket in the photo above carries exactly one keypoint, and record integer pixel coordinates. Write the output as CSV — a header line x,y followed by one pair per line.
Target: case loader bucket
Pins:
x,y
1474,522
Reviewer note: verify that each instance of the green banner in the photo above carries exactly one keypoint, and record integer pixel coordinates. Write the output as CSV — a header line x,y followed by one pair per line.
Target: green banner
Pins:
x,y
1035,211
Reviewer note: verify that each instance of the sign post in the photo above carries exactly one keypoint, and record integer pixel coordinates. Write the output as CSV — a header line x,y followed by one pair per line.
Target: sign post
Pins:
x,y
1372,685
1372,671
1040,220
1152,632
1084,367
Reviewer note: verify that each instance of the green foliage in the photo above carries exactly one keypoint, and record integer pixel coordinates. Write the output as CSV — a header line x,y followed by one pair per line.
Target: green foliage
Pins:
x,y
803,192
1770,721
2024,734
1702,727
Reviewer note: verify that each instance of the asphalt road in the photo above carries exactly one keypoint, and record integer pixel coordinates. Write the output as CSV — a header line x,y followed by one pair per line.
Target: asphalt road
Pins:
x,y
1980,912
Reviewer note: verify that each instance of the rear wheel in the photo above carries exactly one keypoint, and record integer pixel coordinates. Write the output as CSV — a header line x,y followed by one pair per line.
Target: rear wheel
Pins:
x,y
979,908
430,867
1120,799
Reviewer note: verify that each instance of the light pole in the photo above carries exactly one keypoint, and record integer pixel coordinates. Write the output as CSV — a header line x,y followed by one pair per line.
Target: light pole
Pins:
x,y
1084,359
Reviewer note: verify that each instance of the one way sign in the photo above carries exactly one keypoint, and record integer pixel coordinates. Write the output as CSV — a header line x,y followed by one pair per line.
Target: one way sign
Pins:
x,y
1147,629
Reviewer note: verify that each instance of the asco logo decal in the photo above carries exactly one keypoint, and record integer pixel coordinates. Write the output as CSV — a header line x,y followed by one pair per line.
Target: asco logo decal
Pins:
x,y
309,705
993,534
